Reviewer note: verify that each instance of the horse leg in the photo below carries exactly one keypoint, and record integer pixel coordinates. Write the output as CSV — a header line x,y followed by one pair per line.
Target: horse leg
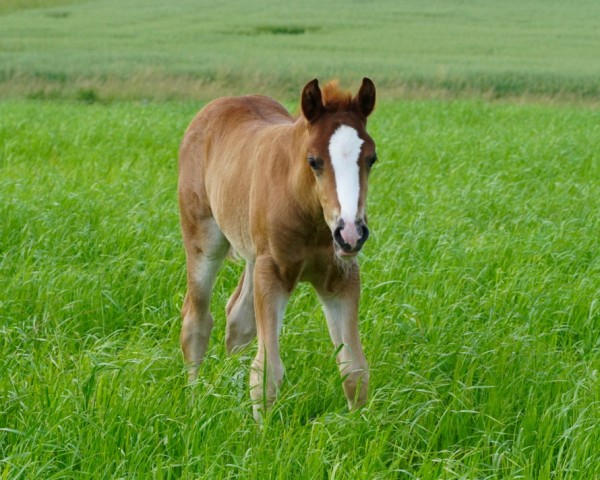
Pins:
x,y
270,299
205,253
341,312
241,323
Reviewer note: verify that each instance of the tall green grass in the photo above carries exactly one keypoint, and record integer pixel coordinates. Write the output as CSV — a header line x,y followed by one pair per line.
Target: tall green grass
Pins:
x,y
155,49
479,314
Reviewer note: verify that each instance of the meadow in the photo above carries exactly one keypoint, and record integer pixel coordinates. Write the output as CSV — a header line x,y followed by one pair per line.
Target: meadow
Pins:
x,y
189,49
480,313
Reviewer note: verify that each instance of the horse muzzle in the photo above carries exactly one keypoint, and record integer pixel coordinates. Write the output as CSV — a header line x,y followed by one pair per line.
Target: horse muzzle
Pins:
x,y
349,237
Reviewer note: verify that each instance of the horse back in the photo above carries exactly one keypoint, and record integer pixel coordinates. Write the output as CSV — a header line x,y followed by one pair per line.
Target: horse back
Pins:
x,y
229,114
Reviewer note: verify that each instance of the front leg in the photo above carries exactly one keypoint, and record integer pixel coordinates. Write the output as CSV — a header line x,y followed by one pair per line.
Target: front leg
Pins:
x,y
270,298
340,297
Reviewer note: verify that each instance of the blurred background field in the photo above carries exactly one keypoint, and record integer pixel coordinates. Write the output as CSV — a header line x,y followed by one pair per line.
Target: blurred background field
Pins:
x,y
198,49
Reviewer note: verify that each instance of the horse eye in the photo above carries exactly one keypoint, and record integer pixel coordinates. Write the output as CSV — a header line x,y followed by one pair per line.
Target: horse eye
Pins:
x,y
315,163
371,160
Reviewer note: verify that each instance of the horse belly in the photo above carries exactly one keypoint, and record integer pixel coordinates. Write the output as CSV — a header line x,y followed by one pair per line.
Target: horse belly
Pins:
x,y
229,201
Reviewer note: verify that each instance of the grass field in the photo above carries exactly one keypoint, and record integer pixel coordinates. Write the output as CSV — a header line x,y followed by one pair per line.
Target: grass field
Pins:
x,y
189,49
479,316
480,312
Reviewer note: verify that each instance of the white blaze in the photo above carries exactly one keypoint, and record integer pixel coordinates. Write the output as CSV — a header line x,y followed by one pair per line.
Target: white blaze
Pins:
x,y
344,151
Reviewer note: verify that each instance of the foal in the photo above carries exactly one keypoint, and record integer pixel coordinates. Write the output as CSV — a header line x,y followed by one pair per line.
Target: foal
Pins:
x,y
289,196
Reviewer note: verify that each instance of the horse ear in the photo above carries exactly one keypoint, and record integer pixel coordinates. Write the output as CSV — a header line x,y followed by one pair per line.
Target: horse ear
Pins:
x,y
364,101
312,102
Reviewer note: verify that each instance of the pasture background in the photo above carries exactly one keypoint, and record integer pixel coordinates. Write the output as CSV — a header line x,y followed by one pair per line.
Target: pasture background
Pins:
x,y
481,281
196,49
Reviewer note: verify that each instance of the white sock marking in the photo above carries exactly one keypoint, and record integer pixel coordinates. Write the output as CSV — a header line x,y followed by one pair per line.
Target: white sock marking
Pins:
x,y
344,150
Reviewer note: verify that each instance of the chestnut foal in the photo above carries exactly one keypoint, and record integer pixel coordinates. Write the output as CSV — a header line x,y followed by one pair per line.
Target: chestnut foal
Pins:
x,y
289,196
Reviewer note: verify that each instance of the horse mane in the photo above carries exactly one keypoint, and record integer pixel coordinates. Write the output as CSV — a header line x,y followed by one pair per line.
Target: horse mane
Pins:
x,y
334,98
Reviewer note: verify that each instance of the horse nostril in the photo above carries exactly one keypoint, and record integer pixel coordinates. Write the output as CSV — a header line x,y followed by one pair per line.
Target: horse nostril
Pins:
x,y
365,234
337,236
363,231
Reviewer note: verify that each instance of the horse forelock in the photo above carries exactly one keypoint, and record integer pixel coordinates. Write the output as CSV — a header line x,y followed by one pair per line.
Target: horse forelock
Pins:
x,y
334,98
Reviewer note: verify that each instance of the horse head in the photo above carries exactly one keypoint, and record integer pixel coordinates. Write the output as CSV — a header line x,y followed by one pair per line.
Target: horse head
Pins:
x,y
340,154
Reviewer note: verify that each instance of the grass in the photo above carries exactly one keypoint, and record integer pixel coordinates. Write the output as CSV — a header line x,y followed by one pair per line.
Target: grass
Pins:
x,y
479,313
188,49
481,280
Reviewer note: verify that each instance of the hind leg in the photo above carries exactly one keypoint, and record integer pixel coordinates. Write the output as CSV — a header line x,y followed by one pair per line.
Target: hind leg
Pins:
x,y
241,323
205,252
